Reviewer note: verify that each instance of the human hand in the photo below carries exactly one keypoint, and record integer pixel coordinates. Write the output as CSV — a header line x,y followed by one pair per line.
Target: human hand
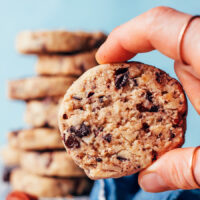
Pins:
x,y
159,28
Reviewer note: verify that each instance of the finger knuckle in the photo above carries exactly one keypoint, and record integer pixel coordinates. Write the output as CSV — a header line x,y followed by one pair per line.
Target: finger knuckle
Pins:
x,y
159,12
160,9
155,16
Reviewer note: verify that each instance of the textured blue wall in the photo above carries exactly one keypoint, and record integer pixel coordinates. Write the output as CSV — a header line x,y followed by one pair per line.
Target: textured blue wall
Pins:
x,y
105,15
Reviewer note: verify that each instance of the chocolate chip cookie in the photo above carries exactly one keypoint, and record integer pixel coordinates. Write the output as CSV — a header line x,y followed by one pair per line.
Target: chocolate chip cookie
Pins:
x,y
35,139
39,87
50,163
57,64
117,119
42,112
42,186
10,156
58,41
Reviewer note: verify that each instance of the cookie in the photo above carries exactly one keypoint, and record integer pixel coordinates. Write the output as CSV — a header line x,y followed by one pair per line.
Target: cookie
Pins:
x,y
10,156
38,87
57,64
42,112
35,139
58,41
42,186
117,119
51,163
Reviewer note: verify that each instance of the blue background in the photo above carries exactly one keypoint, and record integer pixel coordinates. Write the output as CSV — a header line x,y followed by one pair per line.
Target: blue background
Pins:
x,y
90,15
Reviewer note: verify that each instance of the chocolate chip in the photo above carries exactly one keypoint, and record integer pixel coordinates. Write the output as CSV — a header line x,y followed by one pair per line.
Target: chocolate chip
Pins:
x,y
135,82
65,116
108,137
140,116
101,99
72,129
121,77
82,68
46,125
164,92
145,127
184,114
159,76
121,71
98,159
172,135
43,48
125,99
82,131
72,142
149,96
121,158
6,173
159,135
77,98
141,108
154,109
90,94
154,155
121,80
15,133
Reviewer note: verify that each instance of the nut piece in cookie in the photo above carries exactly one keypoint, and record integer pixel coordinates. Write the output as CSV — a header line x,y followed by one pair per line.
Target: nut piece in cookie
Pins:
x,y
116,119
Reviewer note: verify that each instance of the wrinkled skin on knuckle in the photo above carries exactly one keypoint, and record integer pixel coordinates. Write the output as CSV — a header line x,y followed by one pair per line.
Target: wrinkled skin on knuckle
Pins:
x,y
153,17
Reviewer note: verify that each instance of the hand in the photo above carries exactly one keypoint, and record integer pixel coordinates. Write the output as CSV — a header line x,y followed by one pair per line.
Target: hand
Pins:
x,y
159,29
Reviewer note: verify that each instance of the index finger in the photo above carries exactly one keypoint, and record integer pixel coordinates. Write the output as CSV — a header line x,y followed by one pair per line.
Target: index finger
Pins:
x,y
158,29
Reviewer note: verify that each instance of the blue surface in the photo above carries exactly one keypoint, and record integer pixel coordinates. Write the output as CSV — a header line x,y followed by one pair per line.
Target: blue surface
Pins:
x,y
71,14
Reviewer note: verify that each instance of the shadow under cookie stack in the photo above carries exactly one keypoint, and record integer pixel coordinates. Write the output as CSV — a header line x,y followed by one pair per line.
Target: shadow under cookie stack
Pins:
x,y
45,169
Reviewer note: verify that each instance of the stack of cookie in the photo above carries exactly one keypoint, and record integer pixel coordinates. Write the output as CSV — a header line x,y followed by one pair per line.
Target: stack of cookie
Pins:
x,y
45,169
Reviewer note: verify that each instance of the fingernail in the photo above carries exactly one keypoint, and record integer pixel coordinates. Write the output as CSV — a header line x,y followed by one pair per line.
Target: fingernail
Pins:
x,y
152,182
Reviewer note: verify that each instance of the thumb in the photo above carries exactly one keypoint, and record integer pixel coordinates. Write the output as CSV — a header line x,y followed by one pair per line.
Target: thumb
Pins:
x,y
177,169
